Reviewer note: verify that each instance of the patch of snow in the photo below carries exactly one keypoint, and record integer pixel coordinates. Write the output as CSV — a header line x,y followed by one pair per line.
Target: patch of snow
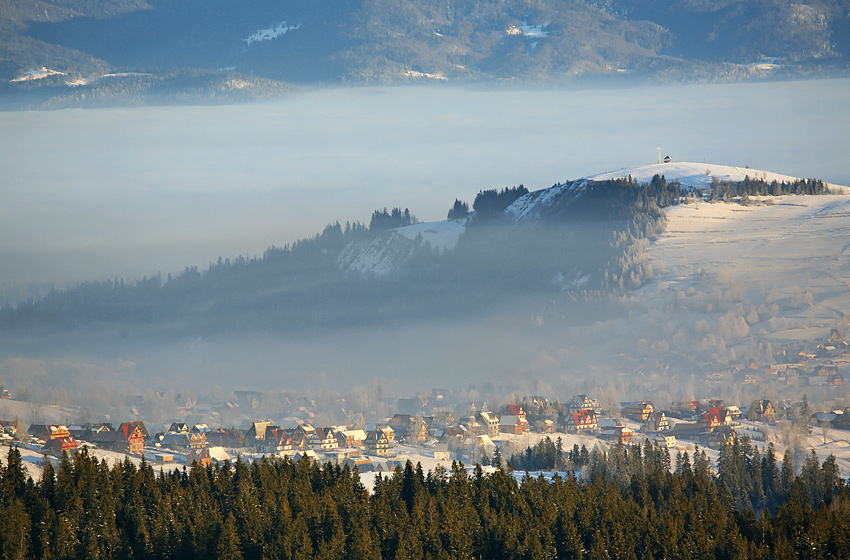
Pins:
x,y
238,84
440,235
37,74
271,33
380,258
534,31
414,74
577,281
125,74
386,254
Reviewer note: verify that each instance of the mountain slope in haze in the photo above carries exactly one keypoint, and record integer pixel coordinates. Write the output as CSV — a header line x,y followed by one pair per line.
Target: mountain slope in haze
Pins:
x,y
386,273
403,40
585,240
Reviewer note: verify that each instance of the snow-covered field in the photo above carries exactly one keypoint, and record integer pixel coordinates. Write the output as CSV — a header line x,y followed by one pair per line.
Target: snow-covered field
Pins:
x,y
782,249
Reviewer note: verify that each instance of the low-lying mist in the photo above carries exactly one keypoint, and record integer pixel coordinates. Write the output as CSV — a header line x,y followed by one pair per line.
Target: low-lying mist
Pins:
x,y
95,194
100,194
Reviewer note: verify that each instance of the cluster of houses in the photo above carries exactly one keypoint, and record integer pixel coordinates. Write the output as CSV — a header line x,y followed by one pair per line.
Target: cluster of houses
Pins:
x,y
55,439
473,435
819,364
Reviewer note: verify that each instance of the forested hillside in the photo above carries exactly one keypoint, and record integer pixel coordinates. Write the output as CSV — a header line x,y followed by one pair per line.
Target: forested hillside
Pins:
x,y
626,504
575,244
589,241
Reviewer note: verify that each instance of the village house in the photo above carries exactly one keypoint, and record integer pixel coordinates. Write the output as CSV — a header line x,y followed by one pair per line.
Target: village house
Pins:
x,y
666,439
129,437
226,438
637,411
49,431
59,445
380,441
177,441
582,421
413,430
257,432
453,436
656,422
197,440
509,424
178,428
513,420
200,456
723,435
278,439
490,421
441,452
323,439
622,434
546,426
351,438
582,402
734,412
715,417
762,411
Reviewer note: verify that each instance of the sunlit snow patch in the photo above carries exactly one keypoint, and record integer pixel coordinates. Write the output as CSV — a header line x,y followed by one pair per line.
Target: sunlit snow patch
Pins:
x,y
271,33
414,74
535,31
37,74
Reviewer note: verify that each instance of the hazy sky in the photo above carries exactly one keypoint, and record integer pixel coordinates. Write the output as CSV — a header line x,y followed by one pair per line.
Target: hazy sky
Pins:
x,y
90,194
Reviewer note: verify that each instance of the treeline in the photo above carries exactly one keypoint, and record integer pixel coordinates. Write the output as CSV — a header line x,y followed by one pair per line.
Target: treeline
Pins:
x,y
85,509
752,478
381,219
727,190
493,202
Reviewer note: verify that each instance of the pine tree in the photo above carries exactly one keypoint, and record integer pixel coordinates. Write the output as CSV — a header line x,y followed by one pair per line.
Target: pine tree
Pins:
x,y
227,544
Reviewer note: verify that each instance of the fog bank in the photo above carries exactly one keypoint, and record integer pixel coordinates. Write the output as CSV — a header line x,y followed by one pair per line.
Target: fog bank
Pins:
x,y
89,194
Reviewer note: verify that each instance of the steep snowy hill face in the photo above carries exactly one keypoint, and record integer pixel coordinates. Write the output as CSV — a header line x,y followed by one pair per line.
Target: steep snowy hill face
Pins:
x,y
393,250
546,203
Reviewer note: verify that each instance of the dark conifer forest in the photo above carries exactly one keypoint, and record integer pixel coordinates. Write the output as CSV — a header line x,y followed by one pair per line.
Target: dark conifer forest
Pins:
x,y
623,504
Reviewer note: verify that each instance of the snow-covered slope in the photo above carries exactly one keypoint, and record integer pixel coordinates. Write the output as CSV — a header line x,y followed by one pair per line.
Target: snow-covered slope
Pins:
x,y
388,252
532,206
440,235
691,174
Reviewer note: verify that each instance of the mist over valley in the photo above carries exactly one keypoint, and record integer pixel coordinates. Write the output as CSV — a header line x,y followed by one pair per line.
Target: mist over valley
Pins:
x,y
416,279
155,192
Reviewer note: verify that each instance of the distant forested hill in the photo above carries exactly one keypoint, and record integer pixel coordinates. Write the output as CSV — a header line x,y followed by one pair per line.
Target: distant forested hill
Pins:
x,y
586,238
55,43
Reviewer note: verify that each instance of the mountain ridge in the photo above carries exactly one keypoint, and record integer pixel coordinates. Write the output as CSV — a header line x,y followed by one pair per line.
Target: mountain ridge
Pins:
x,y
366,41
